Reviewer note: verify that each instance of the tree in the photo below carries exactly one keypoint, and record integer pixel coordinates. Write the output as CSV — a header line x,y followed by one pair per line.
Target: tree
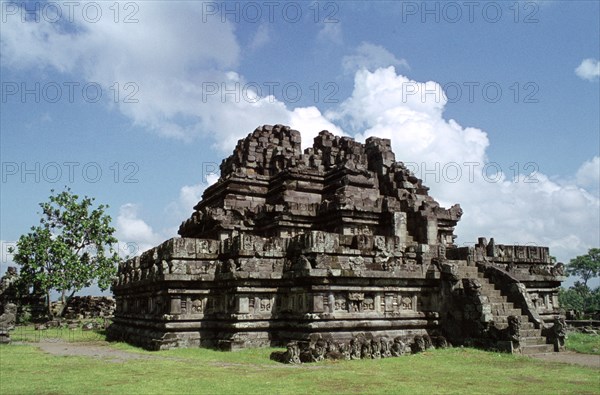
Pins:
x,y
574,298
585,266
580,299
71,248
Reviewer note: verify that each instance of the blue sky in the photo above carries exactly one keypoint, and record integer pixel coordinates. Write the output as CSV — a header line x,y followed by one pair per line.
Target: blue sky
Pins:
x,y
136,103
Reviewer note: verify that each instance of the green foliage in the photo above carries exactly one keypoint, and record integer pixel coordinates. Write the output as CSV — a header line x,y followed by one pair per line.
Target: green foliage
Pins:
x,y
580,298
71,248
585,266
571,299
583,343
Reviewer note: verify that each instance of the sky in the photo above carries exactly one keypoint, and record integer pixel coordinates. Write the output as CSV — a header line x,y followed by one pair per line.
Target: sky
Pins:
x,y
494,104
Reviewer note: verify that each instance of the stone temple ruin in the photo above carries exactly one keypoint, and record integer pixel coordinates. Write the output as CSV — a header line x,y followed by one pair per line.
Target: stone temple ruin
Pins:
x,y
339,247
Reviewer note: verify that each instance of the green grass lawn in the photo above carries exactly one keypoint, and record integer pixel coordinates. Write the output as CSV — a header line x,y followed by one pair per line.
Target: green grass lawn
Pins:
x,y
584,343
26,370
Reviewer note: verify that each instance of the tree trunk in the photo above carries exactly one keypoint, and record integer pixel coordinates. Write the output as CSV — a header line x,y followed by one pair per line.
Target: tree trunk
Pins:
x,y
65,303
49,305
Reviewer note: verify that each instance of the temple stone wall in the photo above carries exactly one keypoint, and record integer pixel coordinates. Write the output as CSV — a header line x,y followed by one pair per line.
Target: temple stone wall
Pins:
x,y
335,242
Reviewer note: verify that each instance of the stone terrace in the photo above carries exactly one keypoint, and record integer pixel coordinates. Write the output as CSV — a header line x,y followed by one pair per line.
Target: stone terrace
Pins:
x,y
337,242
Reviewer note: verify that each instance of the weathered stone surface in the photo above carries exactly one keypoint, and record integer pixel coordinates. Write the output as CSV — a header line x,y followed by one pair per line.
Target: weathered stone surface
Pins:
x,y
361,346
334,252
80,307
8,320
8,308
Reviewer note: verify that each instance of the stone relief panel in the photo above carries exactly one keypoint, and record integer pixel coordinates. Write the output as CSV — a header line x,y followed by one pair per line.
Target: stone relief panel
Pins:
x,y
340,302
363,242
544,301
261,304
197,305
354,301
356,263
368,303
372,302
265,305
408,302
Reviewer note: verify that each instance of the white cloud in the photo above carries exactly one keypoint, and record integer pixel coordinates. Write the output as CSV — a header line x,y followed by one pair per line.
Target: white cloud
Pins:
x,y
179,70
190,195
388,105
175,64
180,209
451,159
106,49
589,69
530,209
183,72
134,231
588,175
370,56
309,121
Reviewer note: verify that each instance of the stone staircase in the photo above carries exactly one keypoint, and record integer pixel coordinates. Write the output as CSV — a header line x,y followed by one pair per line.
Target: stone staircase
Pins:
x,y
532,341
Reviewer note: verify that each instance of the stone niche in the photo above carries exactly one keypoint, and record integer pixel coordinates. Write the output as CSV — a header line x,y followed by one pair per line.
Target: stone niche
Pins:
x,y
335,241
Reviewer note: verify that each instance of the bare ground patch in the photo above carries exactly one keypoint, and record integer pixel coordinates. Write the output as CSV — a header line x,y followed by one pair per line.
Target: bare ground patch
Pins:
x,y
99,349
570,357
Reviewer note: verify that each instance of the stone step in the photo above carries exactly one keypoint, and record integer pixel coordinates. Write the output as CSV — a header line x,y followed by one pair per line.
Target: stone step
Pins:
x,y
532,341
485,283
468,270
537,349
503,305
496,299
488,287
489,290
496,311
530,333
473,274
496,295
501,322
527,325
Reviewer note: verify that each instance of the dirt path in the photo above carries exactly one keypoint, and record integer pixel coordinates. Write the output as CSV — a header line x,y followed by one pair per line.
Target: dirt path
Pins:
x,y
571,357
98,349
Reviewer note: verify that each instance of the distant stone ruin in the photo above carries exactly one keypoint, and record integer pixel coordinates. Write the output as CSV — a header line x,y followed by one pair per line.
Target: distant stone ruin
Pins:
x,y
8,308
336,247
84,307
